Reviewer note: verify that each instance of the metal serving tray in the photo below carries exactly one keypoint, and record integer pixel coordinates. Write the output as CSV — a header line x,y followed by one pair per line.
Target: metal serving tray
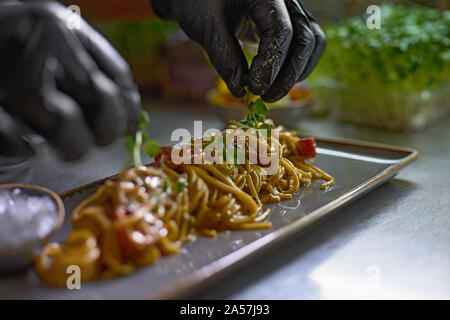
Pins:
x,y
357,166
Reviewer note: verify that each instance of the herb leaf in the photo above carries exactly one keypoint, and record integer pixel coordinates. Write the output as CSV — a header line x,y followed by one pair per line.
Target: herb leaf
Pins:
x,y
181,184
175,186
260,108
256,112
151,148
144,119
129,142
137,142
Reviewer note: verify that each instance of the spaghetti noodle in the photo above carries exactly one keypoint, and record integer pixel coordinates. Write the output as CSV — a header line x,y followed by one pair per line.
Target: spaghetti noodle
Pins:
x,y
149,211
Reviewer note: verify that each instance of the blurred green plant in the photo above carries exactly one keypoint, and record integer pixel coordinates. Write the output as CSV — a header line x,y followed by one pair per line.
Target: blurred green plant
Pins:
x,y
396,77
411,51
131,37
140,43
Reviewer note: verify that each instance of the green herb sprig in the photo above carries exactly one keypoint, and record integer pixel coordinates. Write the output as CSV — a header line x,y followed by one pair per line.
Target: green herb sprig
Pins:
x,y
138,142
256,112
177,186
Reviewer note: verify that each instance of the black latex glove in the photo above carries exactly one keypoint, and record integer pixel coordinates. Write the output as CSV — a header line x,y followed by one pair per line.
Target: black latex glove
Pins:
x,y
69,85
290,47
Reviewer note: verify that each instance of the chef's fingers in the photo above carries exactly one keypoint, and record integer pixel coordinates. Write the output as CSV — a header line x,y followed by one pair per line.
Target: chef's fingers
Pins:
x,y
274,25
302,47
58,118
222,47
111,63
11,142
100,99
319,48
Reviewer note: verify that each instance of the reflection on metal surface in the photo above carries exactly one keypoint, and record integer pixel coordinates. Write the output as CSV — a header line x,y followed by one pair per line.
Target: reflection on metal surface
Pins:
x,y
335,153
336,282
286,207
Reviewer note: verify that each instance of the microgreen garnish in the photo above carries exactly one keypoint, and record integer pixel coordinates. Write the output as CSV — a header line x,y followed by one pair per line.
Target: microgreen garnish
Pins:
x,y
410,53
137,142
151,148
255,114
180,185
177,186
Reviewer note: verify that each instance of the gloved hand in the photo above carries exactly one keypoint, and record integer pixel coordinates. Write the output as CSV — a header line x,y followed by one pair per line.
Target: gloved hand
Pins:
x,y
290,47
69,85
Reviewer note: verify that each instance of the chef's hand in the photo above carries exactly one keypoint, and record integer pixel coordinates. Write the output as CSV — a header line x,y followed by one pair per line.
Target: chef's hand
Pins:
x,y
66,83
290,47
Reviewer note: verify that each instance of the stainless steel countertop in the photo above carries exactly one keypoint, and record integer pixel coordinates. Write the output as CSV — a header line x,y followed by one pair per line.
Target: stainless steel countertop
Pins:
x,y
392,243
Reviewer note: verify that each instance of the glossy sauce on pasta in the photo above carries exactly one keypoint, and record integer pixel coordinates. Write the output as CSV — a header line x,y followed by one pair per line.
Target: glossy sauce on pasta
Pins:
x,y
149,211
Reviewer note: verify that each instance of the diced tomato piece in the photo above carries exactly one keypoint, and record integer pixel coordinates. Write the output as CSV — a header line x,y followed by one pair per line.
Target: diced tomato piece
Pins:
x,y
129,248
160,158
307,147
163,159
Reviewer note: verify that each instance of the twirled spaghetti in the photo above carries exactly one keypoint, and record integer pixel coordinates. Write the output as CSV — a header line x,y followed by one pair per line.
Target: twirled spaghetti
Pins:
x,y
149,211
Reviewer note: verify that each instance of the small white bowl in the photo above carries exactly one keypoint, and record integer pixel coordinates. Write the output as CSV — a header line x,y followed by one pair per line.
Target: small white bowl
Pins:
x,y
20,257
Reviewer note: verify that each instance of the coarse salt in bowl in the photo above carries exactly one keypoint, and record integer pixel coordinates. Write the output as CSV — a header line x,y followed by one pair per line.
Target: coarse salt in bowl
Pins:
x,y
29,216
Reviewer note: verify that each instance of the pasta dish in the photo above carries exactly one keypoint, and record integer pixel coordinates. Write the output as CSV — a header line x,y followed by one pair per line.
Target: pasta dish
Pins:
x,y
150,211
